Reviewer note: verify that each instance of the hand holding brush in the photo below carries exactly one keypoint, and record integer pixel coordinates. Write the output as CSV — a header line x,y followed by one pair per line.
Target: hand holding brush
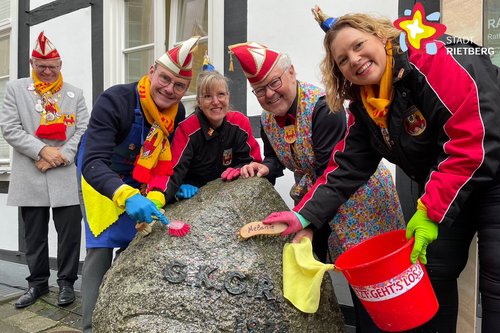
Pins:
x,y
175,228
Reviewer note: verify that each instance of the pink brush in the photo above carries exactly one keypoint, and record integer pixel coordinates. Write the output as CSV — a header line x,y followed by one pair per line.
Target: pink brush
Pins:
x,y
176,228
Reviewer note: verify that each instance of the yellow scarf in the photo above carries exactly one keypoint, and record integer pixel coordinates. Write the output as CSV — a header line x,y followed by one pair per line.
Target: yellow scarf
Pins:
x,y
155,157
52,123
378,106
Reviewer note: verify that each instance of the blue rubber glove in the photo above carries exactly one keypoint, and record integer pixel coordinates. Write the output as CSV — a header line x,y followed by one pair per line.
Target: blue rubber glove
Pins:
x,y
141,209
186,191
425,231
295,221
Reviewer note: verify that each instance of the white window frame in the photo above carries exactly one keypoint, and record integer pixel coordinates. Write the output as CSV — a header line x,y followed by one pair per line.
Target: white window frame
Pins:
x,y
215,36
114,39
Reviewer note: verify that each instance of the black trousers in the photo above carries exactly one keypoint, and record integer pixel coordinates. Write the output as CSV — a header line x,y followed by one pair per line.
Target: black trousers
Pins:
x,y
97,263
67,221
447,257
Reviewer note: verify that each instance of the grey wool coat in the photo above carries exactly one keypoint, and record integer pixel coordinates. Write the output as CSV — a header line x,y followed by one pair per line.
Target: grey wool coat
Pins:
x,y
57,187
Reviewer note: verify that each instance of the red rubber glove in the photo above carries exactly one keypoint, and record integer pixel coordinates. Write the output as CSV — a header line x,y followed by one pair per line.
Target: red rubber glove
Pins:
x,y
230,174
289,218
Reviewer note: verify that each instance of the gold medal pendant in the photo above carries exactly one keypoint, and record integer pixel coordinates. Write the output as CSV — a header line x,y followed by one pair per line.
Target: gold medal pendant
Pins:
x,y
290,134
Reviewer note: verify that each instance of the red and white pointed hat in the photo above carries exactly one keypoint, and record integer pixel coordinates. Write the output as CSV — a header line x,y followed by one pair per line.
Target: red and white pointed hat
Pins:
x,y
255,59
44,49
179,59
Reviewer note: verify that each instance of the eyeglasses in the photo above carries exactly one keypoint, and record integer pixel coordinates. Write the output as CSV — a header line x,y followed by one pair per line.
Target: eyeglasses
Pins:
x,y
273,85
43,68
165,81
220,96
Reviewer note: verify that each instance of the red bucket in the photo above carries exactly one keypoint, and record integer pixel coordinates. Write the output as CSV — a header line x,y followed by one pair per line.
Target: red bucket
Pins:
x,y
396,293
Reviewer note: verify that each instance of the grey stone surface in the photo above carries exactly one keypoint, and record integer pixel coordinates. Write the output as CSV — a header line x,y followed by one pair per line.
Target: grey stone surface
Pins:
x,y
209,280
30,322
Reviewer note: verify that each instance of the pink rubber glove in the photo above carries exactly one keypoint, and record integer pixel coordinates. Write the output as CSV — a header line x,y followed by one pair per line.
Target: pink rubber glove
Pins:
x,y
230,174
287,217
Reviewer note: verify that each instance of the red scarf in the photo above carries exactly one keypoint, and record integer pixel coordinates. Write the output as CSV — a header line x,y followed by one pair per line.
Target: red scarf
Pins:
x,y
52,124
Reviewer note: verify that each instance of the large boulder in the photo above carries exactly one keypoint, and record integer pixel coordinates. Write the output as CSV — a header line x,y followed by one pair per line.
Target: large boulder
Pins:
x,y
209,280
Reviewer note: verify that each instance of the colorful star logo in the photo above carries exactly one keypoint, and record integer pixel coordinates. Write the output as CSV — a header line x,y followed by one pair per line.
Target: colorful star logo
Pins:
x,y
418,30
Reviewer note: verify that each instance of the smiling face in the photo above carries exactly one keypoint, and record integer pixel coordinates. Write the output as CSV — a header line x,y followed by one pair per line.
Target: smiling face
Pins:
x,y
360,56
46,70
213,101
280,90
166,88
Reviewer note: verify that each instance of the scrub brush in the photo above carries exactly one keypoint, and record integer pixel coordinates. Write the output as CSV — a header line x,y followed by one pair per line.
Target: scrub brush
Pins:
x,y
257,228
175,228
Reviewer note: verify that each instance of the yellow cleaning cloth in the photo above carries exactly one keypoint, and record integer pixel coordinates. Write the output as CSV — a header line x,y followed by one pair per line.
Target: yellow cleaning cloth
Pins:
x,y
101,212
302,275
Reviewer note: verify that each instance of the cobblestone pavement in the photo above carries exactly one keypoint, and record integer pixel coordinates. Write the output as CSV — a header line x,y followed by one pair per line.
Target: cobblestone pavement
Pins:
x,y
43,316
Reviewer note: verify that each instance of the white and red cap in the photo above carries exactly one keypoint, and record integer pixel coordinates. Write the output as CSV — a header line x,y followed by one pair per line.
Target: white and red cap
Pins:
x,y
255,59
44,49
179,59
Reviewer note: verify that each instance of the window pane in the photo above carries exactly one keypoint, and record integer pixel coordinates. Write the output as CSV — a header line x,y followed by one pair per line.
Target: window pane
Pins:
x,y
138,22
4,147
4,56
4,9
198,55
193,19
491,35
137,64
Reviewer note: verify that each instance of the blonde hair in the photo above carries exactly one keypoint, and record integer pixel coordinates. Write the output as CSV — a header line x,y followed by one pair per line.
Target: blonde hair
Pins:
x,y
206,80
338,89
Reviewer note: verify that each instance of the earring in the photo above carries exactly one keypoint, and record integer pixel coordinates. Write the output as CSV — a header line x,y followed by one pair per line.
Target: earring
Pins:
x,y
341,89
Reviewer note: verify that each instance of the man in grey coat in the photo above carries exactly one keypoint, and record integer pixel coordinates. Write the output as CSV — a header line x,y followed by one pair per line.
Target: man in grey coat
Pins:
x,y
43,119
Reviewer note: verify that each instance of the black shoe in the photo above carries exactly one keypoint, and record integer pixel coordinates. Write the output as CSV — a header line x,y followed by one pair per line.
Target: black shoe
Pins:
x,y
66,295
30,296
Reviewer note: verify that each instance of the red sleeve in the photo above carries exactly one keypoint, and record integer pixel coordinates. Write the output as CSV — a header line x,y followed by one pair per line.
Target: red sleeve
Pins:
x,y
249,145
465,89
182,154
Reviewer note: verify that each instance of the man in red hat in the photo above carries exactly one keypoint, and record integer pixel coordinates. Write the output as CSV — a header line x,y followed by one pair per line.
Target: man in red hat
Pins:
x,y
43,120
127,143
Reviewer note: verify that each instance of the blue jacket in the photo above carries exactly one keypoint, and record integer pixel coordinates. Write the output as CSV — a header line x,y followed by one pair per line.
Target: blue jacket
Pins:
x,y
107,152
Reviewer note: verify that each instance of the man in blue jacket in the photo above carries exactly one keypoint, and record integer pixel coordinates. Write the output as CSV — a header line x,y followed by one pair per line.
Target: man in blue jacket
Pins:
x,y
126,144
